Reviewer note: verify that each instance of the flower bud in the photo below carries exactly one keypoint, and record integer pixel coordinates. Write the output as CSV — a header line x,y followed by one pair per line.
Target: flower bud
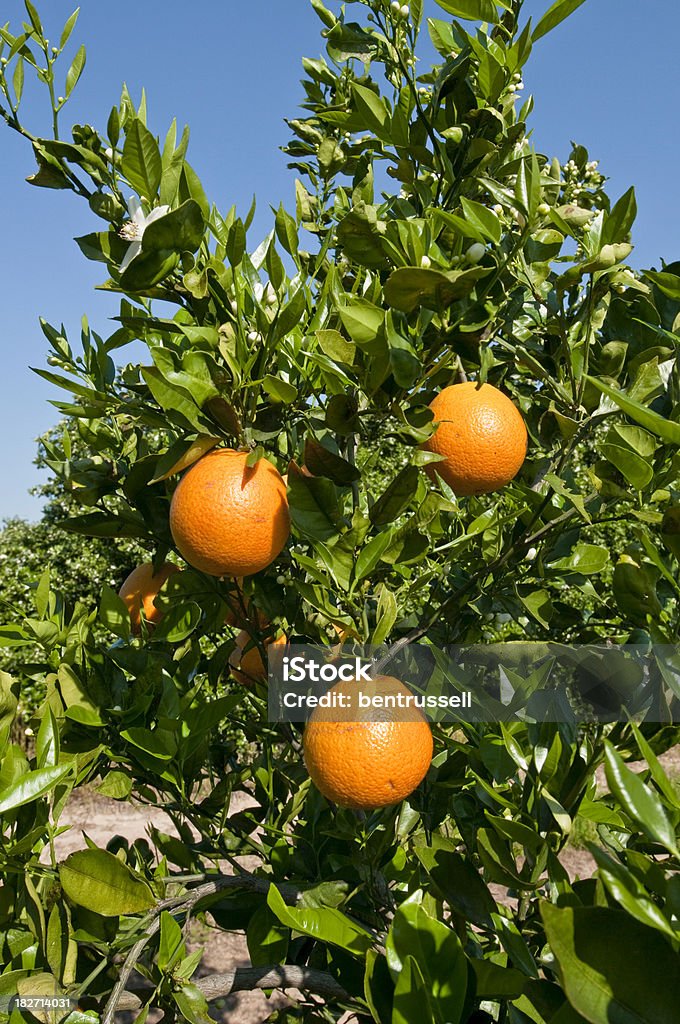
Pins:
x,y
530,555
475,252
425,262
497,209
396,6
252,336
405,11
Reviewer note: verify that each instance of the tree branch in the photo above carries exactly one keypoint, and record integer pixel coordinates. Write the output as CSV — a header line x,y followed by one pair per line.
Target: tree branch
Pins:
x,y
246,979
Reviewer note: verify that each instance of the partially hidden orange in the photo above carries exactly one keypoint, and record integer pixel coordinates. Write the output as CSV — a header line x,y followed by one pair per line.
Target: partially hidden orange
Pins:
x,y
481,435
139,592
367,758
247,666
228,518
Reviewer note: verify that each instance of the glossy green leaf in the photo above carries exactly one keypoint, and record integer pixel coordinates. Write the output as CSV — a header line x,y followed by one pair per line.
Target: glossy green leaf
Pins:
x,y
438,954
32,785
587,559
554,16
668,430
320,461
393,501
640,801
326,924
408,288
141,161
180,230
113,613
471,10
99,881
267,938
614,969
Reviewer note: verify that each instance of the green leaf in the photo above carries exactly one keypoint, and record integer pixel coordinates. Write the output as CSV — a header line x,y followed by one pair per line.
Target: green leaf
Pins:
x,y
360,234
621,218
556,14
667,430
104,524
639,801
483,219
320,461
336,347
75,71
458,880
47,740
313,506
141,161
437,951
386,615
178,622
471,10
69,25
363,321
279,389
413,1000
113,613
614,970
396,498
668,284
180,230
170,946
192,1004
148,269
31,786
373,109
98,881
267,938
408,288
326,924
632,466
587,559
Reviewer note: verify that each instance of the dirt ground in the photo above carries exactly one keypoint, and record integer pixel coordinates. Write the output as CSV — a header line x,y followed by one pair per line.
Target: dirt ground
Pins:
x,y
101,818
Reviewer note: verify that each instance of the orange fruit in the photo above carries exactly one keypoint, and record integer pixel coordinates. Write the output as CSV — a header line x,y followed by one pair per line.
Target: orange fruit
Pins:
x,y
367,758
482,436
246,662
139,592
228,518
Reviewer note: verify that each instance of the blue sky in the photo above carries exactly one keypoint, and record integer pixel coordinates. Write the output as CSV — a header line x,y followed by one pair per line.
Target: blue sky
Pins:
x,y
608,77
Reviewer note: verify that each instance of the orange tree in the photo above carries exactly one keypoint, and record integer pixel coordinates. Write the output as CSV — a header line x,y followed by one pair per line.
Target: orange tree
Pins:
x,y
428,244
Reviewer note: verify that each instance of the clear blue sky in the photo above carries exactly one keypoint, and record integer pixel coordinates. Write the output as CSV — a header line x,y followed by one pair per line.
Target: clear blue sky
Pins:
x,y
609,78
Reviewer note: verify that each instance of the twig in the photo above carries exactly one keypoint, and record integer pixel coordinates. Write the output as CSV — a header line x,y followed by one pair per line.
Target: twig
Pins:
x,y
184,902
245,979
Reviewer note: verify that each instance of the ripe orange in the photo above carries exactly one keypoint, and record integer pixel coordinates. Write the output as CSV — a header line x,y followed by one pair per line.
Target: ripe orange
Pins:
x,y
228,518
367,758
246,662
482,436
140,589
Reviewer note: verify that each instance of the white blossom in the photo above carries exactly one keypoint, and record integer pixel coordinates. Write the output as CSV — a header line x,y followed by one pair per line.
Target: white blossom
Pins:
x,y
133,230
